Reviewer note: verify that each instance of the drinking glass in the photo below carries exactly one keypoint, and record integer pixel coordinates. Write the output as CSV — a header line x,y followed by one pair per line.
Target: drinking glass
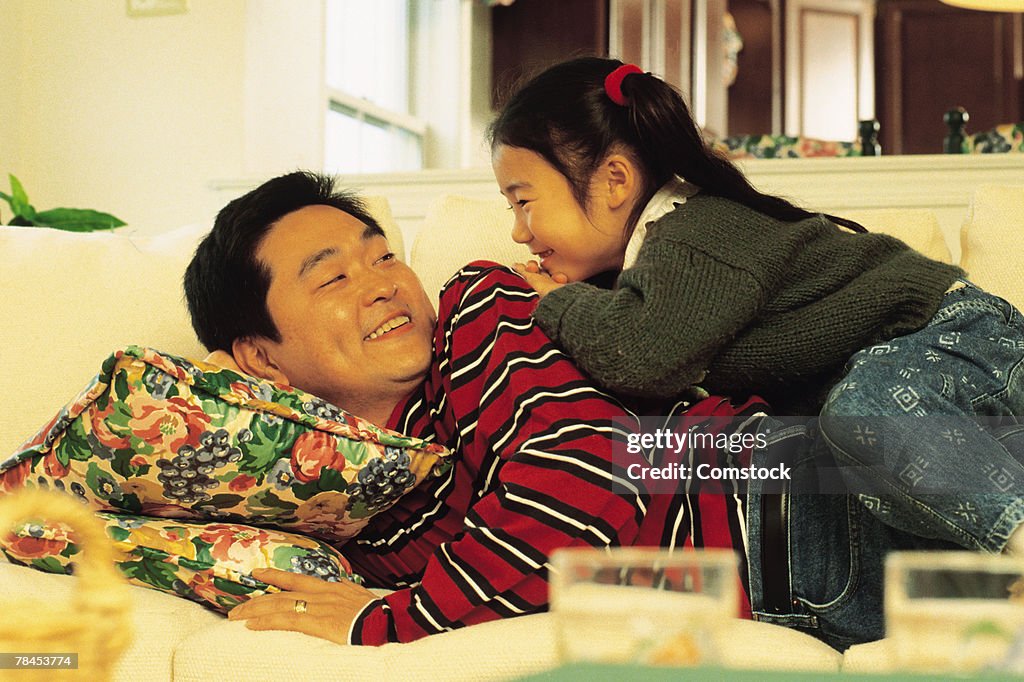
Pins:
x,y
645,606
959,612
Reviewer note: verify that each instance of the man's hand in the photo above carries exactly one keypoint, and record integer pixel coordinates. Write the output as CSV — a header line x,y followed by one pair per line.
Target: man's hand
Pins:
x,y
537,278
330,608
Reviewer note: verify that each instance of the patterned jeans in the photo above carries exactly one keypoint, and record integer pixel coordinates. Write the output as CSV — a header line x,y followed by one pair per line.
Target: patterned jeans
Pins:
x,y
920,446
927,427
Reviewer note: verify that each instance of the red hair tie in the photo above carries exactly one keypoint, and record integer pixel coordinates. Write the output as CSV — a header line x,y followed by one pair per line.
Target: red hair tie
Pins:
x,y
613,83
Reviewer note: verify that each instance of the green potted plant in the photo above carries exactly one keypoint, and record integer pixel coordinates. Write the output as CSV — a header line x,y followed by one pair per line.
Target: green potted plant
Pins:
x,y
71,219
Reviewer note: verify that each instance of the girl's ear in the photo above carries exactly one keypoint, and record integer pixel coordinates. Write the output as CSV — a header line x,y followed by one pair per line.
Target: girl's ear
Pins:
x,y
621,181
254,356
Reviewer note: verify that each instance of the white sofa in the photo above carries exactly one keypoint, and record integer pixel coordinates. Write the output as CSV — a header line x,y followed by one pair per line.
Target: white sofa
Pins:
x,y
69,299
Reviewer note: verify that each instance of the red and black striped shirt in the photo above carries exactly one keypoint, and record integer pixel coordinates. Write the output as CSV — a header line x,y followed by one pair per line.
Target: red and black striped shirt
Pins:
x,y
533,472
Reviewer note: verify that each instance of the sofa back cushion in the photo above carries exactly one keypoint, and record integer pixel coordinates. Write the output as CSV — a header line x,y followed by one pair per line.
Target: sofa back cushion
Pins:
x,y
991,239
69,299
458,230
918,227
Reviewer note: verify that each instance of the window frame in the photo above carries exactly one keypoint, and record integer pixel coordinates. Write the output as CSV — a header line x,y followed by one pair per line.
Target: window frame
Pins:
x,y
413,128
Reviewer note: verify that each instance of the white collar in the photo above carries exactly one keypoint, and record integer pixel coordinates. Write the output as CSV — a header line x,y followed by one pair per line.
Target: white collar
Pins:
x,y
673,193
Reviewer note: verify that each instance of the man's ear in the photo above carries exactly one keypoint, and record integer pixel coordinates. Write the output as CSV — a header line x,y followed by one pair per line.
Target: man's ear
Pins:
x,y
255,356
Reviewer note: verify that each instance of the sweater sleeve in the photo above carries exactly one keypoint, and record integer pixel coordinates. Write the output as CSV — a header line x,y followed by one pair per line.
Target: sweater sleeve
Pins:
x,y
536,448
660,328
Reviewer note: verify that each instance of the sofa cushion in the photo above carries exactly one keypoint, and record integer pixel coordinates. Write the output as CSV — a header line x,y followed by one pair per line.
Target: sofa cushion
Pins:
x,y
496,650
990,239
873,658
460,229
157,435
160,622
79,295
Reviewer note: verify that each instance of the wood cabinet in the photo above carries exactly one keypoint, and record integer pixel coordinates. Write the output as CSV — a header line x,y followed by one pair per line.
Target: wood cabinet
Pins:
x,y
657,35
933,57
806,68
680,40
530,35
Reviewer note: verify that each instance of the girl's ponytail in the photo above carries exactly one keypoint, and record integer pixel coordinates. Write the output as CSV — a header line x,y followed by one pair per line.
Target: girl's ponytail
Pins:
x,y
669,143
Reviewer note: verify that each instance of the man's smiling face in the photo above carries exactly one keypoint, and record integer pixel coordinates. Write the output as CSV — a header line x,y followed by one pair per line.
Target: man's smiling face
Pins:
x,y
354,321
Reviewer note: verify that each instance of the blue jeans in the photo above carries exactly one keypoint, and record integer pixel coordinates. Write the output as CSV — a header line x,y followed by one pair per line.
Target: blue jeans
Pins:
x,y
919,446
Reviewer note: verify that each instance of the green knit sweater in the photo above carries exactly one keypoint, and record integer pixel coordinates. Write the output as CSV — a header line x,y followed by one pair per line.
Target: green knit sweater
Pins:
x,y
766,307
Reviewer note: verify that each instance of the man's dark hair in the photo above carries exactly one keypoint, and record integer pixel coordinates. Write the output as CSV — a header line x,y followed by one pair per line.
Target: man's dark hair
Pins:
x,y
225,284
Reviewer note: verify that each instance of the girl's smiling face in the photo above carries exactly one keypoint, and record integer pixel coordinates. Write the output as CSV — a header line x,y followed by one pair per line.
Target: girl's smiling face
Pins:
x,y
568,238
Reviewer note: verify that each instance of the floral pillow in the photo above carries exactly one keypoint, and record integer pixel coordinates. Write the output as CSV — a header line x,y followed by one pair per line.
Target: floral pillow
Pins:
x,y
157,435
1008,137
208,563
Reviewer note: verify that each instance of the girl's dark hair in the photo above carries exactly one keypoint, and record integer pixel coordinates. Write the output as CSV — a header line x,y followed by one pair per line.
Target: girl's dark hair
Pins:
x,y
564,115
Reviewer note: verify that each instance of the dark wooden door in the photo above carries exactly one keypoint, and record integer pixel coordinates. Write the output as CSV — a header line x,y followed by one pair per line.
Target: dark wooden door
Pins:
x,y
931,57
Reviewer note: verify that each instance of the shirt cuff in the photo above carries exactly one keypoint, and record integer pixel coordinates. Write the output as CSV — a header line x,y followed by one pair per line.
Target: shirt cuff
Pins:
x,y
361,630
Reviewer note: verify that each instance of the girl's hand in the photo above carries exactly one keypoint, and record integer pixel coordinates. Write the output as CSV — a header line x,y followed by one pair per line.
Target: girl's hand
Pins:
x,y
541,281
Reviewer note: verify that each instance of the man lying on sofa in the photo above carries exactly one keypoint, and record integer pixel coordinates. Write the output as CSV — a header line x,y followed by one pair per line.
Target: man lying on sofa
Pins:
x,y
297,283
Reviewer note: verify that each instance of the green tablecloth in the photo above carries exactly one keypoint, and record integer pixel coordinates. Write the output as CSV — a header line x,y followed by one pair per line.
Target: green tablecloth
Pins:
x,y
581,672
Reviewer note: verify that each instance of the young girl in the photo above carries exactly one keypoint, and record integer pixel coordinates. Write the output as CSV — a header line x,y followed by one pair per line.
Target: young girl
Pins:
x,y
744,292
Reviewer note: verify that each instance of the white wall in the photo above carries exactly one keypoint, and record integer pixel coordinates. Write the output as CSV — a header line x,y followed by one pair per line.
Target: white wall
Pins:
x,y
149,118
10,39
284,94
130,115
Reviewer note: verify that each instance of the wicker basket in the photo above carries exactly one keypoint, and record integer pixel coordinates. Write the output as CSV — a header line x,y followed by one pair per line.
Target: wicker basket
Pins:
x,y
94,623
